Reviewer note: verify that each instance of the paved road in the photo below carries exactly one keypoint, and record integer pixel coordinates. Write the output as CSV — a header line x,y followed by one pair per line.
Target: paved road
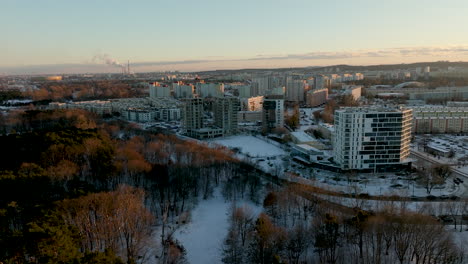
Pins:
x,y
428,162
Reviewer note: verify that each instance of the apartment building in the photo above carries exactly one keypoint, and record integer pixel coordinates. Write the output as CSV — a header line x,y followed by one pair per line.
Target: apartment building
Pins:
x,y
372,138
252,103
273,112
160,91
225,114
317,97
192,115
440,119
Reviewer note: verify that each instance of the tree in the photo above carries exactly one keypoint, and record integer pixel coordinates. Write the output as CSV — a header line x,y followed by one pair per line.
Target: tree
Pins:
x,y
429,179
267,241
443,171
327,238
357,226
115,220
297,242
293,120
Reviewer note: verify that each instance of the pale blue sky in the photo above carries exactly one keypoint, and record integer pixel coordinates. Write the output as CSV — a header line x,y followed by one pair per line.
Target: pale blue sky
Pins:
x,y
228,34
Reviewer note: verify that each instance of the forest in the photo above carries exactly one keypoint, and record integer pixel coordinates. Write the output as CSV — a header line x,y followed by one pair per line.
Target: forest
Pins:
x,y
77,189
74,189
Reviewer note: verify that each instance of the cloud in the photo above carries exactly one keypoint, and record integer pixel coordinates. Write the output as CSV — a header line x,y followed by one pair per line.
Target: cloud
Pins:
x,y
102,63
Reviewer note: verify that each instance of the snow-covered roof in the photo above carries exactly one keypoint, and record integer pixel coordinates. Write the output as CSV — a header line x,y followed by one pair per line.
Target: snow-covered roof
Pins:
x,y
302,136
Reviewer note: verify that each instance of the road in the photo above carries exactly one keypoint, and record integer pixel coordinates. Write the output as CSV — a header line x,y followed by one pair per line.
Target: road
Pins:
x,y
428,162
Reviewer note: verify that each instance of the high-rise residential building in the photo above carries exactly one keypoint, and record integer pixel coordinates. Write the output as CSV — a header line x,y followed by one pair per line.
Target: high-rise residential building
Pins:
x,y
183,91
317,97
225,114
281,90
160,91
295,90
210,89
354,90
321,81
192,115
440,119
372,138
244,91
260,85
273,112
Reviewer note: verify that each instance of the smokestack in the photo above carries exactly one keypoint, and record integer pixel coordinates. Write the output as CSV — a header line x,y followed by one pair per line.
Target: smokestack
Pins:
x,y
128,67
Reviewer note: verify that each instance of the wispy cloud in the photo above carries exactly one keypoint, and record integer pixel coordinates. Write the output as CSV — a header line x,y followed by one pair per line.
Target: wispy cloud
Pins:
x,y
106,63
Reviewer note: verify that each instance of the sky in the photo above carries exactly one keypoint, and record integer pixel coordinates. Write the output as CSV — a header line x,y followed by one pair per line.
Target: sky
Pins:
x,y
65,36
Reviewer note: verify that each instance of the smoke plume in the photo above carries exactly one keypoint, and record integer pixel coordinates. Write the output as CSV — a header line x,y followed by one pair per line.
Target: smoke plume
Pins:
x,y
107,59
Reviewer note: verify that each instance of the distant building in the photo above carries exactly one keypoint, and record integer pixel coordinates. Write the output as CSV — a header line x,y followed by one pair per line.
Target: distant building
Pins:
x,y
244,91
372,138
273,113
252,103
160,91
192,115
210,89
295,90
416,92
138,115
321,81
440,119
317,97
183,91
249,116
225,114
353,90
277,91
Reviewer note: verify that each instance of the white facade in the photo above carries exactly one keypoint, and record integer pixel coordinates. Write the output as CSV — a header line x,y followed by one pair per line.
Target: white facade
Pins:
x,y
210,89
368,138
440,119
183,91
160,91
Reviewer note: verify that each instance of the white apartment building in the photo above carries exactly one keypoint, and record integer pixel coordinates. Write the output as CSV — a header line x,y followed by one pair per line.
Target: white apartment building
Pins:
x,y
160,91
440,119
210,89
273,112
372,138
183,91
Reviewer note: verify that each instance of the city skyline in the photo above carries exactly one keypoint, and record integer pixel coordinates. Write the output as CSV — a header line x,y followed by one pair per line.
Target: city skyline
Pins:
x,y
65,37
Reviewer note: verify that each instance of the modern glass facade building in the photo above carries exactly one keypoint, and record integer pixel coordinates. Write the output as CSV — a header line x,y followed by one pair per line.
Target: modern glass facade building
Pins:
x,y
372,138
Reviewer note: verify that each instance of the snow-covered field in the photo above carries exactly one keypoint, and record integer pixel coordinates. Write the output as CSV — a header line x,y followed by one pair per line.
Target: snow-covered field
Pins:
x,y
203,237
251,145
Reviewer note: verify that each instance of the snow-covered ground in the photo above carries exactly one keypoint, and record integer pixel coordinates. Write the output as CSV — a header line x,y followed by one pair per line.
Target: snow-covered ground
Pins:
x,y
203,237
250,145
376,184
458,144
